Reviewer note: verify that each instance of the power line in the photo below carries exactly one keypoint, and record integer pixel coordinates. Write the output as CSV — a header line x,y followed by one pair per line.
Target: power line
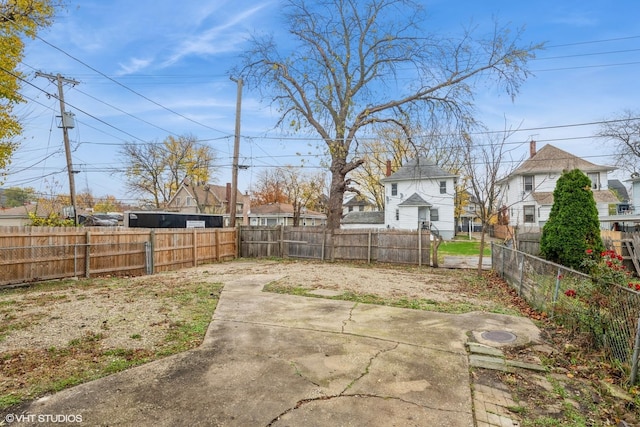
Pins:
x,y
594,41
128,88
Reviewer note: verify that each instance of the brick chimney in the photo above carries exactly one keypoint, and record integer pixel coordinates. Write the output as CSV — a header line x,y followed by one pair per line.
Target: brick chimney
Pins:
x,y
228,197
532,148
388,173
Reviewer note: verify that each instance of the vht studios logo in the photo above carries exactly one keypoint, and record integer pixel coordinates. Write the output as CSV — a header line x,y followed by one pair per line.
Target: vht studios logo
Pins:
x,y
42,418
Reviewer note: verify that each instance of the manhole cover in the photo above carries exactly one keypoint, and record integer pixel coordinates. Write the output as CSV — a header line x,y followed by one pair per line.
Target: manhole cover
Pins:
x,y
498,336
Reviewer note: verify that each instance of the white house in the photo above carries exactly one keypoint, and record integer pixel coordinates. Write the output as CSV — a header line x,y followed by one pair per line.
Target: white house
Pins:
x,y
528,191
421,195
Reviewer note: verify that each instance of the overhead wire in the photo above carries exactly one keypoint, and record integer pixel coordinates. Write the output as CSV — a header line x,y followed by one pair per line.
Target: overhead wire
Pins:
x,y
284,138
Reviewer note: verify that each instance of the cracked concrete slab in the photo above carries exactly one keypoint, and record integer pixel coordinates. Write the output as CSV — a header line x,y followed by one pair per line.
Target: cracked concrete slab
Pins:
x,y
278,360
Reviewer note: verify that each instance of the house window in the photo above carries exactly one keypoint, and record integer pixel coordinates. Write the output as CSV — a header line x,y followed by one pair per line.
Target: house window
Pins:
x,y
529,214
443,187
595,180
434,216
189,201
360,208
528,182
394,189
350,208
397,214
177,201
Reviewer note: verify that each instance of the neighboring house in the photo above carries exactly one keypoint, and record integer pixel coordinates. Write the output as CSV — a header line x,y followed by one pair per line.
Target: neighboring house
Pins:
x,y
210,199
18,216
358,203
528,190
356,219
469,219
624,205
421,195
282,214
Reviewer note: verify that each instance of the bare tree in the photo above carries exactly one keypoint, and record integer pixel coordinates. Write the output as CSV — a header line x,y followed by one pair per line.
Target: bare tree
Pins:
x,y
624,132
156,170
302,190
341,77
483,165
290,185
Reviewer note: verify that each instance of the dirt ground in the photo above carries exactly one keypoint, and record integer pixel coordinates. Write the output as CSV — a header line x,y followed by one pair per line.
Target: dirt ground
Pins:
x,y
52,317
136,313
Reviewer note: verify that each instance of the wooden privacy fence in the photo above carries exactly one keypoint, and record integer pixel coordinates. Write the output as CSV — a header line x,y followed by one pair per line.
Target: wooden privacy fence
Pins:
x,y
44,253
366,245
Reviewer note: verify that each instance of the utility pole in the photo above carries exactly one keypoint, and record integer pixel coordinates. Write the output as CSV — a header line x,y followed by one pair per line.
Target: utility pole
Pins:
x,y
66,123
236,149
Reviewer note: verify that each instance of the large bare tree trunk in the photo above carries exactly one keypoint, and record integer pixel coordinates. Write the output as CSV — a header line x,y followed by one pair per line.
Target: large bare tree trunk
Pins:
x,y
336,194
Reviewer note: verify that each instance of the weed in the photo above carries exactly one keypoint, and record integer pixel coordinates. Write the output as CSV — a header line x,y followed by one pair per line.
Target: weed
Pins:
x,y
10,399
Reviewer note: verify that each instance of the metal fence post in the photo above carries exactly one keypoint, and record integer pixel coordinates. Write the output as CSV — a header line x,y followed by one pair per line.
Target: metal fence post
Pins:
x,y
557,288
521,284
636,355
152,248
87,256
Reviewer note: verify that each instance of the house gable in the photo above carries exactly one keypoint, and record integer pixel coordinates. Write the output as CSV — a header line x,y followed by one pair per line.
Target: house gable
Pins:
x,y
421,194
528,190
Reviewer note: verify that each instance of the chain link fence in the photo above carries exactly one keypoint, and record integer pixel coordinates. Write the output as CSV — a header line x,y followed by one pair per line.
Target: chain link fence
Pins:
x,y
608,315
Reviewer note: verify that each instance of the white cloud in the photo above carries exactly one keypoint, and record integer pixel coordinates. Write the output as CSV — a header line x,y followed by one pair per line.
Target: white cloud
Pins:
x,y
223,37
133,66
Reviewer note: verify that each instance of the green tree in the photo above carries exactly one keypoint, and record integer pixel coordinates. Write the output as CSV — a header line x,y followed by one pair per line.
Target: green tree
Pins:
x,y
338,76
18,19
16,196
573,225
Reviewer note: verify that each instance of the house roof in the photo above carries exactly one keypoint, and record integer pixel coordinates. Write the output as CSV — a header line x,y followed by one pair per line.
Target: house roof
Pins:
x,y
600,196
358,200
282,209
415,200
619,188
418,168
364,218
552,159
23,211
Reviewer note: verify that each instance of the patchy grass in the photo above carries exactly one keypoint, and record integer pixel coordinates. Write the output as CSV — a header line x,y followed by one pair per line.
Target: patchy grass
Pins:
x,y
31,371
481,287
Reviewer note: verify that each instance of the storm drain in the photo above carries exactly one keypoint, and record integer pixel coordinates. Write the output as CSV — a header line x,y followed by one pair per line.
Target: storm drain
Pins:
x,y
498,336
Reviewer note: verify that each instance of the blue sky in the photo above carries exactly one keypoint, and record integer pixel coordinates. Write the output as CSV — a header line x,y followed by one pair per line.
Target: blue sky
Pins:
x,y
151,68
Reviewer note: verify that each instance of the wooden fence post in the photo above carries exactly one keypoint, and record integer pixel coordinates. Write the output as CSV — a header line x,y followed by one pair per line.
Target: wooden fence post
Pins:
x,y
87,255
236,236
216,243
369,248
282,241
195,247
419,246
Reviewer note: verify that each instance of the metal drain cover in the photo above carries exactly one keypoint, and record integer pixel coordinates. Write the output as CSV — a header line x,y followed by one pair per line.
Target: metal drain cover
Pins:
x,y
498,336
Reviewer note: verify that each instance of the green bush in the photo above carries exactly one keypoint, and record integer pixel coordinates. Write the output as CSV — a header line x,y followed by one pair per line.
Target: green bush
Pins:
x,y
573,225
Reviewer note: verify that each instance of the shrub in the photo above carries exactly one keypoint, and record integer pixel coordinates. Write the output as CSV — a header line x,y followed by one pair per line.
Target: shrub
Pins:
x,y
573,225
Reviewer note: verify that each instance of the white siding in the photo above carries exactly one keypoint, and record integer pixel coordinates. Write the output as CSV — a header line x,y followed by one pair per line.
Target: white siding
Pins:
x,y
429,190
